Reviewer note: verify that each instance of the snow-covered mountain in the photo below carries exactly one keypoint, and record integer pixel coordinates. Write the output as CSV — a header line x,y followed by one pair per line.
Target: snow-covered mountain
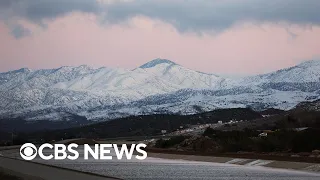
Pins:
x,y
159,86
306,74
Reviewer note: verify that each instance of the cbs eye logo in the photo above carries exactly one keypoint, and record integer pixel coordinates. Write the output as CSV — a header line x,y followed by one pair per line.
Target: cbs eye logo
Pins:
x,y
28,151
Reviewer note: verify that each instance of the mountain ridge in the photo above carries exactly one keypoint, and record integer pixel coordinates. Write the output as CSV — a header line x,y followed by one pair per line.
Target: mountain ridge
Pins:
x,y
159,86
155,62
158,61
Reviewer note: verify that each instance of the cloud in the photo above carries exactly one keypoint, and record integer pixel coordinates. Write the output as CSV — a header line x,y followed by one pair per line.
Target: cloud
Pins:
x,y
198,15
80,39
18,31
13,11
184,15
37,11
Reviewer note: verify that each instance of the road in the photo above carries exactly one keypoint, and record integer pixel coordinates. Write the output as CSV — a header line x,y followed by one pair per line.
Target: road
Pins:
x,y
45,172
138,138
155,167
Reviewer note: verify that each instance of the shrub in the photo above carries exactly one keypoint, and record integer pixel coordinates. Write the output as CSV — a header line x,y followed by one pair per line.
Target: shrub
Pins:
x,y
170,142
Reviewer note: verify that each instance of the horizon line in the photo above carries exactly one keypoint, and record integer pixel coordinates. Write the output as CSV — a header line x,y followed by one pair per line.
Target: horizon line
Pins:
x,y
210,73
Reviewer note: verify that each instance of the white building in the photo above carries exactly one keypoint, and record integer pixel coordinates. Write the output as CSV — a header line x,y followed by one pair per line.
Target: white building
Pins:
x,y
263,134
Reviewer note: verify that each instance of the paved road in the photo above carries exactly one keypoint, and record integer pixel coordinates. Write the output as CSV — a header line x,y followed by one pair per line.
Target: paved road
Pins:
x,y
46,172
138,138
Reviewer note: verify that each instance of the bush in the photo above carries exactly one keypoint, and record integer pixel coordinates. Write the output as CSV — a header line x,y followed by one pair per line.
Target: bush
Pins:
x,y
306,141
248,140
170,142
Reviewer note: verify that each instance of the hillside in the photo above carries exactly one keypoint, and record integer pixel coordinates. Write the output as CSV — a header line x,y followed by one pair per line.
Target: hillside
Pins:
x,y
139,125
157,87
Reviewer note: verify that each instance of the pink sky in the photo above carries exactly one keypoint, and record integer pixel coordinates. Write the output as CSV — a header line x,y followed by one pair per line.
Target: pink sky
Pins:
x,y
79,38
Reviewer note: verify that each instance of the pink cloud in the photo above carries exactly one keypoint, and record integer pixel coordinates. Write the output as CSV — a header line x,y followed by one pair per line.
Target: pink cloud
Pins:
x,y
79,39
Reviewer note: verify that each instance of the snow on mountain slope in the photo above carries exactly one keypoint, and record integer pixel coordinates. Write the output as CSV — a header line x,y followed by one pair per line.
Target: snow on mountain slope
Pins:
x,y
156,77
159,86
189,101
186,78
238,97
119,82
83,87
306,73
25,80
